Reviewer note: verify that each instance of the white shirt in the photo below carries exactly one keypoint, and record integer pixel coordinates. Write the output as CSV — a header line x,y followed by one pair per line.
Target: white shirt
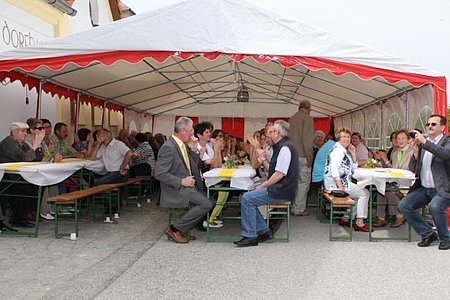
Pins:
x,y
426,176
112,155
283,160
209,153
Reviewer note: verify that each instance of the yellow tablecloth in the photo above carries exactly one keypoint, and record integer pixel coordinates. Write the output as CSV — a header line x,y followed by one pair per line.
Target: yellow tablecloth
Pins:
x,y
241,178
380,176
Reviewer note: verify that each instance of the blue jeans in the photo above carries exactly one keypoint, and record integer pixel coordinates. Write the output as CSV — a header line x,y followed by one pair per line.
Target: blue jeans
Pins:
x,y
415,200
252,221
112,177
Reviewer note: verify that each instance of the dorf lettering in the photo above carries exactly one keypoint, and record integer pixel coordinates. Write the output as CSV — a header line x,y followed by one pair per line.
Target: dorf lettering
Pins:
x,y
15,38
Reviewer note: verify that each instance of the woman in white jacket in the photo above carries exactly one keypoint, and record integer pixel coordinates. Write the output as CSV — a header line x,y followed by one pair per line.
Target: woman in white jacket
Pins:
x,y
338,175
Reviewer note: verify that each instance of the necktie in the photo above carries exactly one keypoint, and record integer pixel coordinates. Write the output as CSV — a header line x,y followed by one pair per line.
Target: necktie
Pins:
x,y
186,157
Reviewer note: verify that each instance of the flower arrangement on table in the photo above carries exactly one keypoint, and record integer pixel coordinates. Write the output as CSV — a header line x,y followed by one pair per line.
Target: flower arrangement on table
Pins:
x,y
242,154
228,162
371,163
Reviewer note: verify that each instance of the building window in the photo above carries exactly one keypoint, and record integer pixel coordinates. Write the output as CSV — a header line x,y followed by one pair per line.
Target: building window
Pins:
x,y
424,114
373,135
395,123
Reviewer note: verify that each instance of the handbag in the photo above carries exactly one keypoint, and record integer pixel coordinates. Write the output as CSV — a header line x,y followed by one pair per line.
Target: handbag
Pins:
x,y
338,193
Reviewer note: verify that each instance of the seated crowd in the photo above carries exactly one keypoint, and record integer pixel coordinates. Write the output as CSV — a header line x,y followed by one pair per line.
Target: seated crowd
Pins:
x,y
180,161
34,141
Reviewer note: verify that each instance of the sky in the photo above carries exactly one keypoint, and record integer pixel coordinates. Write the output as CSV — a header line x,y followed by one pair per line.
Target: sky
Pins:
x,y
416,30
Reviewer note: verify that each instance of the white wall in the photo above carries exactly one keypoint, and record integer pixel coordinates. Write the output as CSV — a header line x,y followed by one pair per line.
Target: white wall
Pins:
x,y
82,20
19,29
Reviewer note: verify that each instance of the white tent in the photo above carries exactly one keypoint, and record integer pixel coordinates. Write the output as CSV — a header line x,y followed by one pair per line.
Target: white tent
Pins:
x,y
192,58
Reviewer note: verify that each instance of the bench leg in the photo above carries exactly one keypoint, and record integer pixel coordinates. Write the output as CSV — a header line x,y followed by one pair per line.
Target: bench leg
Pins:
x,y
286,216
58,210
76,218
350,233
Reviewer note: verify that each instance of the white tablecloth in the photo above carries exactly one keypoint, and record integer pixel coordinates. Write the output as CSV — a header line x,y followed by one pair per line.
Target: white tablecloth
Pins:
x,y
242,178
44,173
380,176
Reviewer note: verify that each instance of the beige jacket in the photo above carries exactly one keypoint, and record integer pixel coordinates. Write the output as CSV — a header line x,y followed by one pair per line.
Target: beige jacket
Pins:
x,y
302,134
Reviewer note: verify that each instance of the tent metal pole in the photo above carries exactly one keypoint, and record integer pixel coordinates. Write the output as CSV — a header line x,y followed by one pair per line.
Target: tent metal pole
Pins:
x,y
39,101
103,114
382,133
77,115
153,124
407,111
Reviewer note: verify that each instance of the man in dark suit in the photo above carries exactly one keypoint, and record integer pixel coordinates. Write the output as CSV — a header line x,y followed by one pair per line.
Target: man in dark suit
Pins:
x,y
432,166
181,184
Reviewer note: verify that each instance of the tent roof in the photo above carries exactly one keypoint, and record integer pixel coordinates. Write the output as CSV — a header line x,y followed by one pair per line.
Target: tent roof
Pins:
x,y
193,57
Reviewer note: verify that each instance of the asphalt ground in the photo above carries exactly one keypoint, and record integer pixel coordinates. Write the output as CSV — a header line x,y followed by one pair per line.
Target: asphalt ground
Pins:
x,y
132,259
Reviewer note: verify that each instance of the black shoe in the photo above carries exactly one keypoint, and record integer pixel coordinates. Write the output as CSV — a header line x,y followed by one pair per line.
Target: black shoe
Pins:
x,y
274,225
199,226
4,227
326,213
22,223
114,210
428,240
266,235
444,245
246,242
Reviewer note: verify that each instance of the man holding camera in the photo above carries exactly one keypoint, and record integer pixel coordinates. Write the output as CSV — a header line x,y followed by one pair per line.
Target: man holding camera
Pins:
x,y
431,163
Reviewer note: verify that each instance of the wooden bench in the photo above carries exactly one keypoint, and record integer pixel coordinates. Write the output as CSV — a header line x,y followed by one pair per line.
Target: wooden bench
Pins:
x,y
280,210
339,202
73,198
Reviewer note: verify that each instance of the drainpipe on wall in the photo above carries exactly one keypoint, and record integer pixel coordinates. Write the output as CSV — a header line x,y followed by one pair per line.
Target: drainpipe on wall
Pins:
x,y
63,6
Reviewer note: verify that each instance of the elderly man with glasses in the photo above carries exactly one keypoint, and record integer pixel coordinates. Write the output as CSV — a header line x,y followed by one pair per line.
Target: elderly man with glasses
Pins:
x,y
431,163
281,185
14,148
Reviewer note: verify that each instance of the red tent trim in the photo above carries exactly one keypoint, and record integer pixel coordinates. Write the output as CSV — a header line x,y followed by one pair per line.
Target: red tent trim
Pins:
x,y
312,63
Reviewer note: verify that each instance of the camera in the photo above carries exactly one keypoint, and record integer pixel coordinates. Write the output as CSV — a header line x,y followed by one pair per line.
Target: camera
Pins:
x,y
412,134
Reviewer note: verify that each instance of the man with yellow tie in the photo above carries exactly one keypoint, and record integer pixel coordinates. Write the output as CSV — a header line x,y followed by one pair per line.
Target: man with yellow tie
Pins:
x,y
181,184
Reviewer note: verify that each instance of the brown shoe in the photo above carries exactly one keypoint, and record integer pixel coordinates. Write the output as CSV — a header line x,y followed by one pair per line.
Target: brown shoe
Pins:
x,y
363,228
191,236
178,236
399,221
380,223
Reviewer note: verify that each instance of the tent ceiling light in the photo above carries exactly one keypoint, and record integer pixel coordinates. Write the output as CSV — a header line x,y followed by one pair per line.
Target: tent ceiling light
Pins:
x,y
242,95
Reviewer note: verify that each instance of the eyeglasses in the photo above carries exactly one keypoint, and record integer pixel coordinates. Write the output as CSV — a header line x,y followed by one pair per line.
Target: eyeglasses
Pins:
x,y
430,124
39,128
